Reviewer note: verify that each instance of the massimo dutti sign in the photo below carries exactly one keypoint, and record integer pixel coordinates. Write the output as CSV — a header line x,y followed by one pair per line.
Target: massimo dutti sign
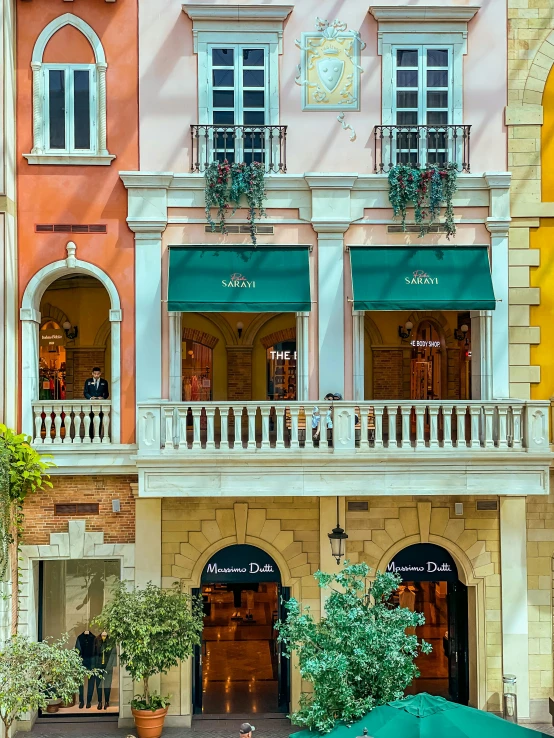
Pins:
x,y
424,562
241,563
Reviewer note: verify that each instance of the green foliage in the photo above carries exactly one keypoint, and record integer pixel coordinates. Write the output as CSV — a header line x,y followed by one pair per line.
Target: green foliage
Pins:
x,y
359,655
157,702
33,673
25,475
226,184
425,189
155,629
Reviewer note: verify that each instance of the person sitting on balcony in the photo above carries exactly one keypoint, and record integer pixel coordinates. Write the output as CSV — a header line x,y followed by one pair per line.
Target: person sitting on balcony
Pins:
x,y
96,388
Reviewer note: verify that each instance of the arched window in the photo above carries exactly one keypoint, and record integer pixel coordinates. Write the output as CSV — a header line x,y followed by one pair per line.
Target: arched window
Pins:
x,y
69,101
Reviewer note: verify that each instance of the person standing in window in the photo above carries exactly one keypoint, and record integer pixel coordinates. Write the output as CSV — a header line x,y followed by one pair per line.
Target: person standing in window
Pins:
x,y
96,388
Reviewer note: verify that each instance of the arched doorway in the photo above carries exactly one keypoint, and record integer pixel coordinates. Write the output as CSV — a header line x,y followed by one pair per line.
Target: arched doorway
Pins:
x,y
430,585
240,667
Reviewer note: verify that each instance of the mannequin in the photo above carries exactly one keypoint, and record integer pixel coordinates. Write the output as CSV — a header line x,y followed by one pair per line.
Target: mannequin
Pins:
x,y
86,646
106,657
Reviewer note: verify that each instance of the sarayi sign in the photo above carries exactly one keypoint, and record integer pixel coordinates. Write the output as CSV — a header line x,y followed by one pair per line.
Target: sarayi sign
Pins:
x,y
424,562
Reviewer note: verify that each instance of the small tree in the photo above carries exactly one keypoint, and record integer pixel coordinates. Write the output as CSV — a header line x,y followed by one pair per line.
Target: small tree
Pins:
x,y
155,629
359,655
32,673
22,471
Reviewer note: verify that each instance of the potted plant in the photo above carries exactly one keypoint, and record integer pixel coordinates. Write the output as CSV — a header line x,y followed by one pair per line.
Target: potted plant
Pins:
x,y
35,676
155,629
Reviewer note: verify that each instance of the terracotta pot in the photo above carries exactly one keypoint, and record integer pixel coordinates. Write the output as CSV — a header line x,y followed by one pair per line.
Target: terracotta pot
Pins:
x,y
149,724
53,706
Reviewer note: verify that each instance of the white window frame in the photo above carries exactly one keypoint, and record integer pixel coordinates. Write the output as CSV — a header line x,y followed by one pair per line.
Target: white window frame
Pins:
x,y
68,70
41,152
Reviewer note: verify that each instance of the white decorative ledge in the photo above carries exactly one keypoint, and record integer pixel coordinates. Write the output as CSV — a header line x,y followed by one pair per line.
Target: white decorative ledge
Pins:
x,y
238,12
70,159
424,13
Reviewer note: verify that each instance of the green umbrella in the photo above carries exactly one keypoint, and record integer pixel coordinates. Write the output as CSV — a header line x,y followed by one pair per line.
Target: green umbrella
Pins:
x,y
425,716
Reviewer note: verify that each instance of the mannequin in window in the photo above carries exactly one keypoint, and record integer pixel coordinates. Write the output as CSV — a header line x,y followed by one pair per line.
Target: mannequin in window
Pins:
x,y
106,656
86,646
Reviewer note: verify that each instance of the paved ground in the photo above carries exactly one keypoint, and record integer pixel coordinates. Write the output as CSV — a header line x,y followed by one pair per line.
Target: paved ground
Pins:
x,y
276,728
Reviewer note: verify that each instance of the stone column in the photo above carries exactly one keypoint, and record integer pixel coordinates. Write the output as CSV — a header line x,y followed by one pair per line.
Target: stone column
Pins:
x,y
481,355
515,628
30,326
359,358
302,357
175,359
115,386
101,85
500,340
38,119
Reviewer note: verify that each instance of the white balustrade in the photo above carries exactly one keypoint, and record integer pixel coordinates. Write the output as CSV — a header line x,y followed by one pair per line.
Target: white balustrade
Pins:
x,y
68,422
370,427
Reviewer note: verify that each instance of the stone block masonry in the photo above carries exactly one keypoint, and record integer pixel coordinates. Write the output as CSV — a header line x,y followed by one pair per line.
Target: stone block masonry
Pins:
x,y
40,518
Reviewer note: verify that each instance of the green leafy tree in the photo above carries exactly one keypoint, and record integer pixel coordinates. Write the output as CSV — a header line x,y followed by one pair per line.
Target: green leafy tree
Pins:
x,y
22,471
155,629
359,655
32,673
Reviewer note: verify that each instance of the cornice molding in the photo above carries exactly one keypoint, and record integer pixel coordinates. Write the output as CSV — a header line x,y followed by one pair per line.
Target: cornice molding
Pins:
x,y
78,160
238,12
424,13
497,180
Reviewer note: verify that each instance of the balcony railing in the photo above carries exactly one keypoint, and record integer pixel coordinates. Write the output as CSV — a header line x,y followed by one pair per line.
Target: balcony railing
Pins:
x,y
72,422
235,144
421,146
368,427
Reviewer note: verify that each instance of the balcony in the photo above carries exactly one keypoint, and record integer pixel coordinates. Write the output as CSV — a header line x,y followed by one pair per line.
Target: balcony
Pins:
x,y
421,146
197,429
235,144
72,423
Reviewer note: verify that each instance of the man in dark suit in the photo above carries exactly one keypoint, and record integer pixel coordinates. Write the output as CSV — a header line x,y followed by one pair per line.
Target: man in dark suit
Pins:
x,y
96,388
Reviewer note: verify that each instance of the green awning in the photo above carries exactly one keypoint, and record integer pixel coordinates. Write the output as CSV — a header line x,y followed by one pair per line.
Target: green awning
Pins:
x,y
428,278
239,280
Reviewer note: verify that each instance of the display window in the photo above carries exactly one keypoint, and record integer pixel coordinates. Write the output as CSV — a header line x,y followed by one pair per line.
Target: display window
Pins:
x,y
281,371
426,363
197,372
71,594
52,362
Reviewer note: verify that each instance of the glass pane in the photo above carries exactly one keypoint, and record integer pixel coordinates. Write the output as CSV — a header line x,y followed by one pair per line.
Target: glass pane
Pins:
x,y
250,156
222,156
436,141
253,141
406,118
406,99
406,78
81,108
223,77
253,78
281,371
437,117
436,99
253,57
437,57
408,140
223,98
225,140
254,117
223,57
437,78
224,117
436,157
74,592
197,361
407,157
406,58
253,99
56,99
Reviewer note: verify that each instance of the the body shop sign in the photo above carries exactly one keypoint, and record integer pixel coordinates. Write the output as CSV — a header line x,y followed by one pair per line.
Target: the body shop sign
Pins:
x,y
424,562
241,563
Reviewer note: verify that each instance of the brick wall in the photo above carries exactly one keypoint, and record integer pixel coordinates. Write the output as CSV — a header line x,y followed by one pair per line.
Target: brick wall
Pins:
x,y
239,372
388,374
40,520
79,369
453,374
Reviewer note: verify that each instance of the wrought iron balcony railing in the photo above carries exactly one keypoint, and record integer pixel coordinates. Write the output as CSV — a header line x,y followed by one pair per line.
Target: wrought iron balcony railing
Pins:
x,y
235,144
421,146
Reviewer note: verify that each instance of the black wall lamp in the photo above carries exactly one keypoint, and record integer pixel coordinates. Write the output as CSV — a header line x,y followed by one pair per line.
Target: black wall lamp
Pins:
x,y
460,334
240,326
71,331
337,539
405,331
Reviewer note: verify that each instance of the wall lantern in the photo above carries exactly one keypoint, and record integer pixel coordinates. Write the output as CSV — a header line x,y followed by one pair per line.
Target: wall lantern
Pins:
x,y
71,331
461,332
240,326
405,331
337,539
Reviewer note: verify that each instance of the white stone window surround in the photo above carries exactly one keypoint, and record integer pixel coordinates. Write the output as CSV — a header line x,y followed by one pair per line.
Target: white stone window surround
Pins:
x,y
227,25
30,324
99,154
77,543
404,26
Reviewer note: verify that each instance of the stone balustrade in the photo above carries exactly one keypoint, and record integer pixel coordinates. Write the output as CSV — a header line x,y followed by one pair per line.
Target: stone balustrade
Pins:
x,y
72,422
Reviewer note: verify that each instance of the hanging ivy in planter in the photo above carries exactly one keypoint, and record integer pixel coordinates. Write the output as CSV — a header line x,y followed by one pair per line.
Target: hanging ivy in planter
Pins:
x,y
226,184
425,189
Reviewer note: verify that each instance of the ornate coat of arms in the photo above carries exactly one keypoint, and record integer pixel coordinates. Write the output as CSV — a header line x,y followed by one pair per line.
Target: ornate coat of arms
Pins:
x,y
329,72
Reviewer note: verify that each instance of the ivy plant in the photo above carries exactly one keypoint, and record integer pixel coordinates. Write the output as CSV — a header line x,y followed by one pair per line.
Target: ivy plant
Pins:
x,y
217,193
360,654
155,629
23,471
33,673
425,189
